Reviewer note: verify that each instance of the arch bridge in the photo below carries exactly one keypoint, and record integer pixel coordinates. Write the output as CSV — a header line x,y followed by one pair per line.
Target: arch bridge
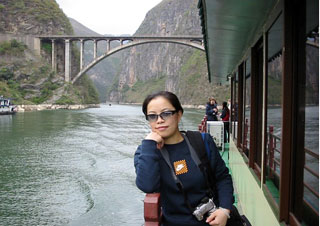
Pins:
x,y
124,42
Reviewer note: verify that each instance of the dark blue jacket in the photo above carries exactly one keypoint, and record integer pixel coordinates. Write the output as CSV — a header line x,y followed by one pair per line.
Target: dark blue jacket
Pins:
x,y
211,114
154,175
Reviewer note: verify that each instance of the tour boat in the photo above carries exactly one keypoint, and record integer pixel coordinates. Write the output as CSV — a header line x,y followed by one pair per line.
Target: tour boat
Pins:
x,y
266,50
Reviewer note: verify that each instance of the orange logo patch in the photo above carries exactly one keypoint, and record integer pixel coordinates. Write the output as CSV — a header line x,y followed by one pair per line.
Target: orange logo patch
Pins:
x,y
180,167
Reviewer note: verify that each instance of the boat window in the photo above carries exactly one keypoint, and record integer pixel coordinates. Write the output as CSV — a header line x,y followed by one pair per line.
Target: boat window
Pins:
x,y
311,168
247,107
235,107
274,108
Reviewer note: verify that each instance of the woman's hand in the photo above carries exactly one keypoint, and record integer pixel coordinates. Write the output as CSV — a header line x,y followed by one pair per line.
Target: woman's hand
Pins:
x,y
217,218
157,138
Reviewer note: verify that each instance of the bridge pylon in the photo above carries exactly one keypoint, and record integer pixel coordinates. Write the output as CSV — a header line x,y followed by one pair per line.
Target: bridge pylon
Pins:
x,y
124,42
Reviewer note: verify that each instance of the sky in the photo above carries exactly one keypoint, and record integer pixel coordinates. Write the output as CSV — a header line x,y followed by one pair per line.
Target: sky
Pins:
x,y
114,17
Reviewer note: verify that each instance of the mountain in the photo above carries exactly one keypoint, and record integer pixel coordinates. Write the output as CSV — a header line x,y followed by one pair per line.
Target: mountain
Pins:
x,y
80,29
131,74
173,67
32,17
27,77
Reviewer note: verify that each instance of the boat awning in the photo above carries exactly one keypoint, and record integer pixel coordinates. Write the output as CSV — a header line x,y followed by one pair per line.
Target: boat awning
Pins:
x,y
229,28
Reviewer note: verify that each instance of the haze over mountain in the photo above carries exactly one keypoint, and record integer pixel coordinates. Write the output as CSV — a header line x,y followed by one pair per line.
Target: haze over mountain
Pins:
x,y
166,66
80,29
131,74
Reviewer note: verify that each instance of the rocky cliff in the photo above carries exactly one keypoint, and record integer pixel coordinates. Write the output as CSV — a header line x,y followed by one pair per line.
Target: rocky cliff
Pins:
x,y
173,67
25,76
33,17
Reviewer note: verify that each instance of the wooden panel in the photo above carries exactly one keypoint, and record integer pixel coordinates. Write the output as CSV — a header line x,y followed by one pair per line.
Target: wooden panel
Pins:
x,y
240,105
292,142
256,104
252,109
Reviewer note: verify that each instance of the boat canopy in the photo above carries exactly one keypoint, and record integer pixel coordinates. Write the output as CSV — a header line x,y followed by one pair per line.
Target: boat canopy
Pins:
x,y
229,27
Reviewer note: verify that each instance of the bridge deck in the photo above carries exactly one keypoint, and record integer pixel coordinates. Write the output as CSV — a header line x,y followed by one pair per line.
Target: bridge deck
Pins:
x,y
118,37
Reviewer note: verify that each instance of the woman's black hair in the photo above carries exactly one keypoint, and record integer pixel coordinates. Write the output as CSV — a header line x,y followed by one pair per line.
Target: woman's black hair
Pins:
x,y
224,105
171,97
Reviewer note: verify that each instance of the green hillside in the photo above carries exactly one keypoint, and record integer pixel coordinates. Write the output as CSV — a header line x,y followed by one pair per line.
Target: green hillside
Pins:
x,y
26,77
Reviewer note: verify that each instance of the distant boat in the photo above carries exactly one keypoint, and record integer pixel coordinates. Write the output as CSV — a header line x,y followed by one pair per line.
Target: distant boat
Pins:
x,y
6,106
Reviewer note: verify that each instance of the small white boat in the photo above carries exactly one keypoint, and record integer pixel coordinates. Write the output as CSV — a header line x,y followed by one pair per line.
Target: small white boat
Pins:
x,y
6,106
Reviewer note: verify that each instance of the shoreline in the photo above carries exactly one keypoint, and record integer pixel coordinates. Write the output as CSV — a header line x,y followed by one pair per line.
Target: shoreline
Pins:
x,y
41,107
193,106
183,105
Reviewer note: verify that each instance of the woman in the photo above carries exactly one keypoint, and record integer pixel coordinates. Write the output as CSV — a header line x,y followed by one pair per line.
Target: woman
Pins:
x,y
164,111
225,118
212,110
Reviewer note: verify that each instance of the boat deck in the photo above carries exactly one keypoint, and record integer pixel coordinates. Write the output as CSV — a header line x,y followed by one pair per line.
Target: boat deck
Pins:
x,y
225,156
272,188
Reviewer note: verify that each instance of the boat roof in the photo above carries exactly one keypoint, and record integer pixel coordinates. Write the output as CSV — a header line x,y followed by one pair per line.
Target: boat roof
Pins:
x,y
230,27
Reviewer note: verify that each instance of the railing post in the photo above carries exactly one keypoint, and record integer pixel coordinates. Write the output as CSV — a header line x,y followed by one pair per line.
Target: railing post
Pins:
x,y
203,126
205,123
273,149
271,152
152,210
245,135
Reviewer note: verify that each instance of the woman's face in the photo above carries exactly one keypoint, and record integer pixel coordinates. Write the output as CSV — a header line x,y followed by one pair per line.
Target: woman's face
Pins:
x,y
165,128
212,101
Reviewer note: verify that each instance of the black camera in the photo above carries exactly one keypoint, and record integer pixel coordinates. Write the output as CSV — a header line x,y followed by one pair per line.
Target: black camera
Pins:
x,y
206,206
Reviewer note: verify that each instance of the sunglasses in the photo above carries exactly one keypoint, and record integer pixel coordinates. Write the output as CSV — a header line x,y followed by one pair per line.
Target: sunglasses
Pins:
x,y
163,115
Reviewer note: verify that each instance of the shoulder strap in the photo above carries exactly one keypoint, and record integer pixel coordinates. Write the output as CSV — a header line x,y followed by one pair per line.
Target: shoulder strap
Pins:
x,y
196,140
203,151
207,147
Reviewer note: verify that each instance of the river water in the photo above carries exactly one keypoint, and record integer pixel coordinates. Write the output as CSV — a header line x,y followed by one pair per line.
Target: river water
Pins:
x,y
74,168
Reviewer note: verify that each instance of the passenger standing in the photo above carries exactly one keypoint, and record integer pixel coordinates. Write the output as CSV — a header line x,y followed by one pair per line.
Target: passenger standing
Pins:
x,y
212,110
225,118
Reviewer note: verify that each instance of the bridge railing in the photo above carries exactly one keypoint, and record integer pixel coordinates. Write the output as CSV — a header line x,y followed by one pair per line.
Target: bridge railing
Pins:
x,y
125,42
